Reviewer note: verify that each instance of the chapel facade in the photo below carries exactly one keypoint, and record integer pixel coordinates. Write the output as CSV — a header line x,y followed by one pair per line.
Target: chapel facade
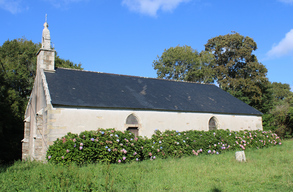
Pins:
x,y
68,100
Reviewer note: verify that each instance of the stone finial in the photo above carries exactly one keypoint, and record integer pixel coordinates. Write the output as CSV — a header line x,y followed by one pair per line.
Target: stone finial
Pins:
x,y
46,25
46,39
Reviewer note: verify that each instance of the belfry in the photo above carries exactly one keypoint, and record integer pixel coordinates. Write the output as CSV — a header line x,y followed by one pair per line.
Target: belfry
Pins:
x,y
46,55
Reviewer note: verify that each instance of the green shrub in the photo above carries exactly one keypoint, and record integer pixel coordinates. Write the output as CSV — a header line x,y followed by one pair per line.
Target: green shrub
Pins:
x,y
280,120
111,146
108,146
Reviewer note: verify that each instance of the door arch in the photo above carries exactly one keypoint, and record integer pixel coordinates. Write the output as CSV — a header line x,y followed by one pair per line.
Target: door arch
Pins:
x,y
132,124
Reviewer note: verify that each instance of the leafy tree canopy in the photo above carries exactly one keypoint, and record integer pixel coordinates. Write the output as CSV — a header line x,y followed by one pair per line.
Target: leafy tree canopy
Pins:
x,y
238,70
185,63
281,91
280,117
66,63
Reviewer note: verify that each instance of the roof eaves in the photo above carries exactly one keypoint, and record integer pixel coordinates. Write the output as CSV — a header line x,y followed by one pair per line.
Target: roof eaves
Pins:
x,y
149,109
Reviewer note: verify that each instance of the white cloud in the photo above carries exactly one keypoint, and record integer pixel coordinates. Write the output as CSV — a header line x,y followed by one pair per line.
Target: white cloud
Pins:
x,y
150,7
287,1
284,47
13,6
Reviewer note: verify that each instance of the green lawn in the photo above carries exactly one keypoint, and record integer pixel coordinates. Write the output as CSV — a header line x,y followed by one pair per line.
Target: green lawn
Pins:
x,y
269,169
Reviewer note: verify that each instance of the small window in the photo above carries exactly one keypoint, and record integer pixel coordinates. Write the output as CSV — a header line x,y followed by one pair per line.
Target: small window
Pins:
x,y
131,119
213,124
133,130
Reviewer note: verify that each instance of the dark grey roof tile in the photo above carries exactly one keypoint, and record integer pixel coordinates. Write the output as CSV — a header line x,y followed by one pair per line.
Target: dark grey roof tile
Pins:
x,y
101,90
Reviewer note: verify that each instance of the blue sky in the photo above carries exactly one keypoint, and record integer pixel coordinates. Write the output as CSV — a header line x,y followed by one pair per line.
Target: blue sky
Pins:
x,y
126,36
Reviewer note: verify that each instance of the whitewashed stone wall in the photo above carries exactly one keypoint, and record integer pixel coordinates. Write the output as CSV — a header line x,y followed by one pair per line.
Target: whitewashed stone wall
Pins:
x,y
75,120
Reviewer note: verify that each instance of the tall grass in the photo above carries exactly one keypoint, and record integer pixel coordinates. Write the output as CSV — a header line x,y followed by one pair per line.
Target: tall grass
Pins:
x,y
269,169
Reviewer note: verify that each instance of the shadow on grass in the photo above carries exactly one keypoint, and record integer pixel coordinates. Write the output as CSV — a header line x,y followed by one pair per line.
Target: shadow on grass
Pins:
x,y
215,189
5,166
18,165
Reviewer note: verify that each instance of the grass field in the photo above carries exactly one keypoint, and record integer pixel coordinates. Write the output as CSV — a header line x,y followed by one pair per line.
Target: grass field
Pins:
x,y
269,169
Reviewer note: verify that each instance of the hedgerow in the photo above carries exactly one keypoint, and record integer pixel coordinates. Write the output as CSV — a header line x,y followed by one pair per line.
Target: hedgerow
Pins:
x,y
112,146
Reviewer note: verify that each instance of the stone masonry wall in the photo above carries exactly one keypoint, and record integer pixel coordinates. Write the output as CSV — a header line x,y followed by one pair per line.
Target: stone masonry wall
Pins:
x,y
25,141
38,147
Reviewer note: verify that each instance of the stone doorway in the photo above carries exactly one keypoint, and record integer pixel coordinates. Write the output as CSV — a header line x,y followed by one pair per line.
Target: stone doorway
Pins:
x,y
133,130
132,124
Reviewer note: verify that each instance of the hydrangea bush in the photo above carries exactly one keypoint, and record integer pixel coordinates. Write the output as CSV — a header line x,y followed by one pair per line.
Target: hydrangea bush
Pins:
x,y
111,146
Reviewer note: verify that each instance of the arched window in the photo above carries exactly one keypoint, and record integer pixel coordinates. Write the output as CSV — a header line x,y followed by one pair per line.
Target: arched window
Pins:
x,y
131,119
132,124
213,124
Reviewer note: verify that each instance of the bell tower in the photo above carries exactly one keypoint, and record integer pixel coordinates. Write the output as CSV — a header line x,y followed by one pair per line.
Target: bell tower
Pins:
x,y
46,55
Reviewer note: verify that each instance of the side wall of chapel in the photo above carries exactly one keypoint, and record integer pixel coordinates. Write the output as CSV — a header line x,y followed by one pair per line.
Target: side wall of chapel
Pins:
x,y
62,120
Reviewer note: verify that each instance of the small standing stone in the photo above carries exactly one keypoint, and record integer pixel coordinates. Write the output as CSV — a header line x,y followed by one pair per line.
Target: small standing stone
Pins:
x,y
240,156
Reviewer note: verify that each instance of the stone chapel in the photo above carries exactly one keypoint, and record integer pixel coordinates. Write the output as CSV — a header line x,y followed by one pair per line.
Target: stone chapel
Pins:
x,y
68,100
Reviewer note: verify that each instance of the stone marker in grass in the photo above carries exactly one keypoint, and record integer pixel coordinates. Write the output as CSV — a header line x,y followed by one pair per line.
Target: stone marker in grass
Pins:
x,y
240,156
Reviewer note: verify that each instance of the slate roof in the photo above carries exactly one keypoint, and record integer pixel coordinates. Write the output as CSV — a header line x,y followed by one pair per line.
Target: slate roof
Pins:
x,y
101,90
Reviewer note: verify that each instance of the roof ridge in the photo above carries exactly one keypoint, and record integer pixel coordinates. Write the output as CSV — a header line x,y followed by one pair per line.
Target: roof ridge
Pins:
x,y
136,76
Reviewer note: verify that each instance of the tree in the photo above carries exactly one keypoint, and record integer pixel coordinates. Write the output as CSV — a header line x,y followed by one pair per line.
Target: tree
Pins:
x,y
186,64
281,92
280,120
18,69
280,117
66,63
238,70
